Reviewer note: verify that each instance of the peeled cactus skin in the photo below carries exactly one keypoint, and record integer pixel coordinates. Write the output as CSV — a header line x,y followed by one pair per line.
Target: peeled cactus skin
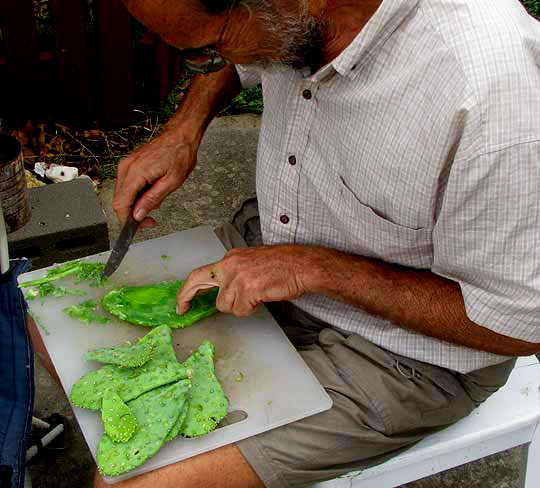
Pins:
x,y
156,412
118,420
153,305
208,403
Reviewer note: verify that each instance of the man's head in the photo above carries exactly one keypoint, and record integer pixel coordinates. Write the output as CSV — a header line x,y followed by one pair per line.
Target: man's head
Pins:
x,y
252,31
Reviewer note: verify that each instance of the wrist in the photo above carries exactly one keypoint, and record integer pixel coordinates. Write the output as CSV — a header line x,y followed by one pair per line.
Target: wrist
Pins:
x,y
183,131
314,269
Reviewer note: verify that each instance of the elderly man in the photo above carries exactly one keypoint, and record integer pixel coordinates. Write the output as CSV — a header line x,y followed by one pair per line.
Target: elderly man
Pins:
x,y
397,186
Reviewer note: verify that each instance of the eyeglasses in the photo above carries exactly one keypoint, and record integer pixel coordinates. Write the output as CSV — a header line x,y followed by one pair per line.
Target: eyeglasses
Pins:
x,y
207,59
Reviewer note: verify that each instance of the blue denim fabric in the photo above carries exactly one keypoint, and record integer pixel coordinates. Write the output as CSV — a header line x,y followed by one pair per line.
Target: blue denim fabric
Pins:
x,y
16,378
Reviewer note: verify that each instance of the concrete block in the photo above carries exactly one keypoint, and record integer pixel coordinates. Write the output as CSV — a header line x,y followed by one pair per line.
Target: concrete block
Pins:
x,y
67,223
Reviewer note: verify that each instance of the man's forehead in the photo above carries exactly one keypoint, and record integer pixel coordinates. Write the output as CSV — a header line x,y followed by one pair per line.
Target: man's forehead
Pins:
x,y
168,15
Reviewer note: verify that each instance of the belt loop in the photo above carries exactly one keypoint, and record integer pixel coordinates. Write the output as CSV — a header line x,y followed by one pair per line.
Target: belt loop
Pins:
x,y
403,373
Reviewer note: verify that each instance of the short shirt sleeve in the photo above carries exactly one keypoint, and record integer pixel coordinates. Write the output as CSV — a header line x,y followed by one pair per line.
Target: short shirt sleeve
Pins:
x,y
487,238
250,76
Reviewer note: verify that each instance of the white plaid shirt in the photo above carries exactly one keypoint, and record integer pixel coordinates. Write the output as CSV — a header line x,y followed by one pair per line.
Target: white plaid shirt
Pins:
x,y
418,145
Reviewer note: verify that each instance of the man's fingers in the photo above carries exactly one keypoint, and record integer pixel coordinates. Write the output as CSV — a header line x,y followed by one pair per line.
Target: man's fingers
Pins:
x,y
124,196
148,223
152,198
198,280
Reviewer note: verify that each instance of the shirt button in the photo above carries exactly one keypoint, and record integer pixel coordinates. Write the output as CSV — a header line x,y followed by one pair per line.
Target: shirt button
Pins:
x,y
292,160
284,219
307,94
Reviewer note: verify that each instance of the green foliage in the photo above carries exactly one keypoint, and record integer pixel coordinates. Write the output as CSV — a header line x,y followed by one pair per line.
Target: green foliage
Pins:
x,y
249,100
533,6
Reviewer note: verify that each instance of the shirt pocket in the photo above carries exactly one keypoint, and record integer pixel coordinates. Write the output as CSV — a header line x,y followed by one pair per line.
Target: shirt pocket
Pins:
x,y
370,234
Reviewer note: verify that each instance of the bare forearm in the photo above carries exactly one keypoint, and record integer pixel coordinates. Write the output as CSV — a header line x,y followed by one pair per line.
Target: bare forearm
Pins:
x,y
415,299
207,95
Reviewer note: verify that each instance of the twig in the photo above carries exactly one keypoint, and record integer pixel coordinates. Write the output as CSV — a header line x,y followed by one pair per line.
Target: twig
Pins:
x,y
77,140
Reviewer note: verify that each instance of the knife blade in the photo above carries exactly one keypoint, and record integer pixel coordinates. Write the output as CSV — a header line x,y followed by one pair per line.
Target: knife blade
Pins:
x,y
124,240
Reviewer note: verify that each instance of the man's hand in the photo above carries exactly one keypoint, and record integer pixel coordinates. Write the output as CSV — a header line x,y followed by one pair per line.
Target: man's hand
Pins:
x,y
248,277
164,163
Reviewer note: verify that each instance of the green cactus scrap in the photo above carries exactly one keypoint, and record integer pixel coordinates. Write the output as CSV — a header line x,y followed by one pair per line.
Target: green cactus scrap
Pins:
x,y
48,289
156,412
118,420
208,403
162,368
85,312
152,305
127,356
84,271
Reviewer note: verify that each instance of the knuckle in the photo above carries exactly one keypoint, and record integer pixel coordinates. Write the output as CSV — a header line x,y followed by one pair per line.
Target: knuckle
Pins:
x,y
117,205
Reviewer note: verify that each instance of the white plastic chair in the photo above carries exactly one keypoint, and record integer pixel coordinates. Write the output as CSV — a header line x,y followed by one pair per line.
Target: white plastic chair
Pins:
x,y
509,418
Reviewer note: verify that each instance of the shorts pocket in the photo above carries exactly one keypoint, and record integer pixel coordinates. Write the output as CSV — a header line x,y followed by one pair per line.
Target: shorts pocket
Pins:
x,y
438,396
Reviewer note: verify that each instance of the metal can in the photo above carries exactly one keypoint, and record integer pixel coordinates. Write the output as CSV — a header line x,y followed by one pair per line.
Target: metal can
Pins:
x,y
13,193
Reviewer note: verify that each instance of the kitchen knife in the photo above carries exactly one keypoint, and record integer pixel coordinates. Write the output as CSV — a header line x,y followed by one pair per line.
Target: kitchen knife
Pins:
x,y
124,239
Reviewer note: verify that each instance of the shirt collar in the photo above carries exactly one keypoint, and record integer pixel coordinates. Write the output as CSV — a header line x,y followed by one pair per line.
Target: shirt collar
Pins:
x,y
378,29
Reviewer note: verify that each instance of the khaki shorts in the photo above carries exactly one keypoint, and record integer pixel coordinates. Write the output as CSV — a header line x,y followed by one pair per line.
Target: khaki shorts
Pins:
x,y
382,402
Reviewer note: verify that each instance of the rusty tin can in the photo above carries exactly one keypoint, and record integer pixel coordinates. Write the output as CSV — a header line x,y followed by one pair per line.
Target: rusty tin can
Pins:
x,y
13,193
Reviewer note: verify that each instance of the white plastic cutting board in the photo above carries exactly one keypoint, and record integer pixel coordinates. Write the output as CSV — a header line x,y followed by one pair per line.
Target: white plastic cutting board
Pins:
x,y
261,372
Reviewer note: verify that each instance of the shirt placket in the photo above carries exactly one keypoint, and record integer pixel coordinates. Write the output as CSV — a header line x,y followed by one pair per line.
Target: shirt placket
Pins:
x,y
302,108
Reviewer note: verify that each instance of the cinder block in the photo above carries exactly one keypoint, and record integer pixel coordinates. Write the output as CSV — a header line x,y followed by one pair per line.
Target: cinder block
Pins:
x,y
67,223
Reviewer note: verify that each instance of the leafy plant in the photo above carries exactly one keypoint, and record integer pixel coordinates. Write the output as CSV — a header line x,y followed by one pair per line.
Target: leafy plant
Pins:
x,y
249,100
533,7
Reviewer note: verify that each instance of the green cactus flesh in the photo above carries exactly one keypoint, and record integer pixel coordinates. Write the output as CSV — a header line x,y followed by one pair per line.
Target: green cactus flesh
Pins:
x,y
84,271
48,289
118,420
85,312
161,368
152,305
127,356
173,433
208,403
156,412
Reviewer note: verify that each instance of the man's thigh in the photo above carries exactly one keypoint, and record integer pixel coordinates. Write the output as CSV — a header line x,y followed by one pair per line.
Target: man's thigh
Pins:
x,y
381,405
382,402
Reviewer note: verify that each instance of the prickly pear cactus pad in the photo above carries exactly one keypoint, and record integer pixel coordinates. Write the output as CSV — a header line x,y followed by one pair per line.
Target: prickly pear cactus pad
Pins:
x,y
160,369
156,412
118,420
173,433
152,305
128,356
207,401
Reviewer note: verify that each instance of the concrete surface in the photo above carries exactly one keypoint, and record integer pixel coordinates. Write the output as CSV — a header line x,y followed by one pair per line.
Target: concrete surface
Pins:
x,y
66,223
224,177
